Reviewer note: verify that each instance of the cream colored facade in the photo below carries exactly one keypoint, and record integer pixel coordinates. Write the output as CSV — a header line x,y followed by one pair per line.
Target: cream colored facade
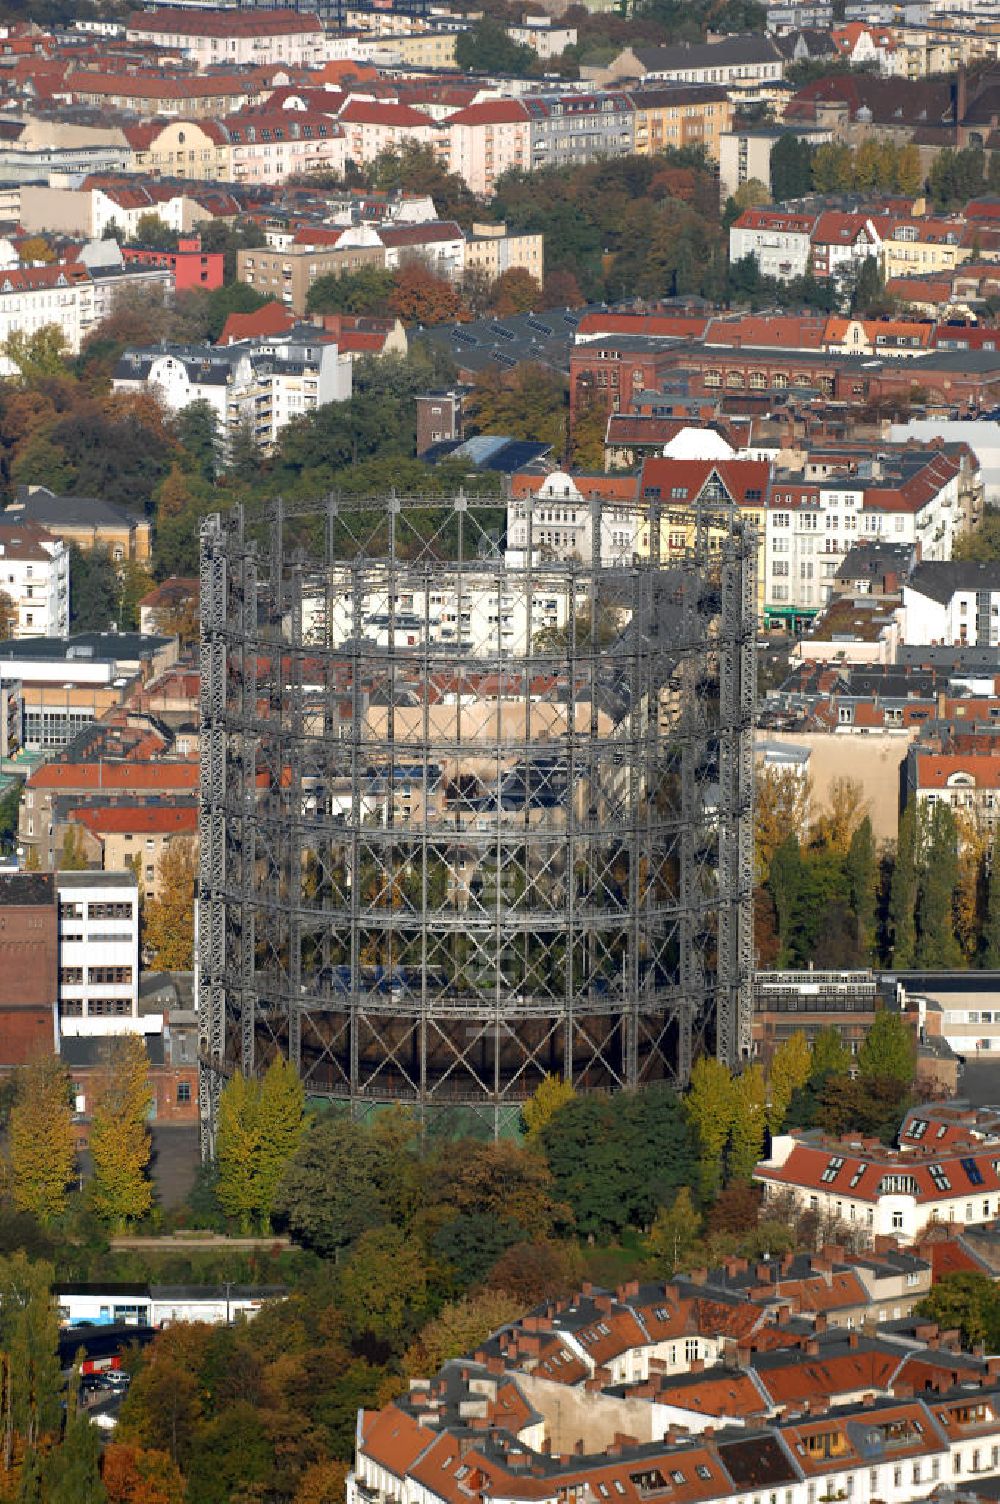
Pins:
x,y
490,248
420,49
187,149
662,122
908,257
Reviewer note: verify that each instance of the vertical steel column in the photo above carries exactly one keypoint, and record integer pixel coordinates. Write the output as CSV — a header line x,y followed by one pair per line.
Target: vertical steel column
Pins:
x,y
212,828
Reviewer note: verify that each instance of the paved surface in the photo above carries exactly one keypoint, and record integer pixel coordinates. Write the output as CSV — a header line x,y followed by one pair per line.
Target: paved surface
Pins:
x,y
174,1163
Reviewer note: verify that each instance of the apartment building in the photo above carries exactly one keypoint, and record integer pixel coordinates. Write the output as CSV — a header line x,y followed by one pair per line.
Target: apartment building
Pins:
x,y
810,525
233,38
745,154
99,953
579,128
921,246
488,139
680,116
841,243
261,384
63,786
956,602
780,243
493,250
272,146
168,92
34,578
87,521
899,1192
966,780
288,274
733,61
32,297
134,835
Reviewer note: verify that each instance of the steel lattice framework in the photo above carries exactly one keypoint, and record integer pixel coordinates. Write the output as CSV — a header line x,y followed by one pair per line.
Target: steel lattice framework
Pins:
x,y
469,817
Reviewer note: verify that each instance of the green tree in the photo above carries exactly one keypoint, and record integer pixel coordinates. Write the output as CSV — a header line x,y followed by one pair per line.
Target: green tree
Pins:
x,y
384,1285
791,168
674,1234
937,947
459,1328
710,1105
37,355
237,1149
365,291
154,233
830,1056
71,1473
196,428
746,1144
485,47
93,590
903,892
119,1141
888,1050
529,403
30,1379
42,1143
967,1302
868,296
282,1126
862,875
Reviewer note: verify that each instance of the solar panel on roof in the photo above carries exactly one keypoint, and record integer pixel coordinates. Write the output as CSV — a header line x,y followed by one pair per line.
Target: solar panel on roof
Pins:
x,y
973,1171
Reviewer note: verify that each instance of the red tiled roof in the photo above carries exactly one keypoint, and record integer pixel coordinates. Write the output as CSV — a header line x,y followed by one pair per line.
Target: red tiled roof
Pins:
x,y
934,769
149,820
273,318
375,112
691,476
115,775
228,23
490,112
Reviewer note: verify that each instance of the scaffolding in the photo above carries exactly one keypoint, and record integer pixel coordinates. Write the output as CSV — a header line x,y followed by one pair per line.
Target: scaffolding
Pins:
x,y
471,816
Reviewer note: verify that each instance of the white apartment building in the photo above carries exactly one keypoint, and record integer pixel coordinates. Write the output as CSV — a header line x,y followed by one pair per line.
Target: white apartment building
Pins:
x,y
780,243
474,614
34,577
263,383
235,38
958,602
32,297
538,33
99,954
556,523
887,1192
810,526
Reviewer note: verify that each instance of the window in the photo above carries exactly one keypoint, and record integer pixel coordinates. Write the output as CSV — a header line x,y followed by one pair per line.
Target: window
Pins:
x,y
897,1221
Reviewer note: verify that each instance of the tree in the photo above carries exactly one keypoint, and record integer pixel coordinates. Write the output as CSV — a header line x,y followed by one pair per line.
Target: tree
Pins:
x,y
503,1179
367,290
903,892
30,1378
164,1405
8,617
237,1148
323,1483
791,168
169,919
71,1472
868,295
590,426
516,291
154,233
282,1127
459,1328
119,1139
551,1094
42,1140
138,1475
909,172
537,1271
531,403
486,48
991,928
830,1056
384,1286
36,249
843,812
937,947
674,1234
93,590
420,296
862,876
749,1121
967,1302
196,428
791,1067
72,855
39,354
710,1106
781,809
888,1050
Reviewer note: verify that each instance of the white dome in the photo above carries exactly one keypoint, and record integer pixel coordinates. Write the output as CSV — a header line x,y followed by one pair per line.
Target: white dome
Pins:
x,y
558,484
698,444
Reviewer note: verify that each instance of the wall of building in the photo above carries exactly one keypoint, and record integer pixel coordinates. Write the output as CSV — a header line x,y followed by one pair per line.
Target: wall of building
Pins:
x,y
874,760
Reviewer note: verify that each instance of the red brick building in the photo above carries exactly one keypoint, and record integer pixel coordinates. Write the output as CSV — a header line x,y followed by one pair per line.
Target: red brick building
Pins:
x,y
29,966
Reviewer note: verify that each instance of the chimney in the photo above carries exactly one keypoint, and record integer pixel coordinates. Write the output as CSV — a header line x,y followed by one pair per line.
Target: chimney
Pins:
x,y
820,1324
812,1348
852,1339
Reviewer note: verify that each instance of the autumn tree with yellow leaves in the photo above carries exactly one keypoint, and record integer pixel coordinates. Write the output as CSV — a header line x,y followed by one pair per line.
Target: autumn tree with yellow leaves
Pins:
x,y
168,935
42,1143
119,1140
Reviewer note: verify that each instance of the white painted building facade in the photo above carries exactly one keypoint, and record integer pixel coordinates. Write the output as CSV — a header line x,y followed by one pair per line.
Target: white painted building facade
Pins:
x,y
99,955
34,578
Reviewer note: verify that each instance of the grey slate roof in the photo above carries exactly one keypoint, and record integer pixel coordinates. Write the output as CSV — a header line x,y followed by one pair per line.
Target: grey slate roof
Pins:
x,y
939,579
738,49
47,509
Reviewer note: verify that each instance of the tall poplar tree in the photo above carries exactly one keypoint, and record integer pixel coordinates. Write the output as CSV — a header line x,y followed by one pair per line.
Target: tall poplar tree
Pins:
x,y
30,1379
237,1146
991,928
937,946
41,1140
861,875
903,891
710,1104
119,1140
282,1126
